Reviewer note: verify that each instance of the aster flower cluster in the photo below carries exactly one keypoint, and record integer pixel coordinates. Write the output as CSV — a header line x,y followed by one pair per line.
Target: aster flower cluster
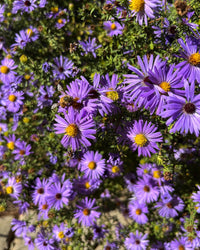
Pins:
x,y
99,123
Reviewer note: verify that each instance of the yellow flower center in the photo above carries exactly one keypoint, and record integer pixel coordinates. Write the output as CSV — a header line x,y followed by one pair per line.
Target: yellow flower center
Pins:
x,y
9,190
72,130
165,86
30,32
0,129
86,211
92,165
61,235
113,95
156,174
26,120
22,152
60,21
113,26
115,169
2,208
4,70
12,98
87,185
11,145
194,59
137,5
44,207
146,171
54,9
181,247
140,140
138,211
27,77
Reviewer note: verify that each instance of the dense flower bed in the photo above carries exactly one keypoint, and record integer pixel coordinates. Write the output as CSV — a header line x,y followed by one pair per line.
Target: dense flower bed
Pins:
x,y
100,112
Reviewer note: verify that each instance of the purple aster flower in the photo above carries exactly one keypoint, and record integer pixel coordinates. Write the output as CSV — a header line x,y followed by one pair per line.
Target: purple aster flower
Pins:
x,y
169,208
2,10
135,82
110,246
58,194
11,141
63,67
13,188
99,231
44,242
184,111
24,6
144,137
3,127
33,33
138,211
21,150
86,185
136,241
21,40
89,46
162,82
130,181
114,165
86,213
39,195
44,100
77,127
59,232
45,67
190,68
42,3
92,165
29,242
143,9
181,243
196,196
144,169
146,190
23,206
7,75
113,28
60,23
13,101
19,227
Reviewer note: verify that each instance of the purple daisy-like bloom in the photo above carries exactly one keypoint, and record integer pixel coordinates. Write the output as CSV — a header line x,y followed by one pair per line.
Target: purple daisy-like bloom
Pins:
x,y
2,10
137,211
196,196
130,181
144,169
92,165
13,188
86,185
32,33
58,194
24,6
13,101
136,241
44,241
143,9
190,68
21,150
114,165
144,137
169,207
113,28
146,190
99,232
59,232
60,23
77,127
184,111
63,67
11,141
19,227
39,195
7,75
135,82
181,243
86,213
110,246
162,82
21,40
29,242
89,46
